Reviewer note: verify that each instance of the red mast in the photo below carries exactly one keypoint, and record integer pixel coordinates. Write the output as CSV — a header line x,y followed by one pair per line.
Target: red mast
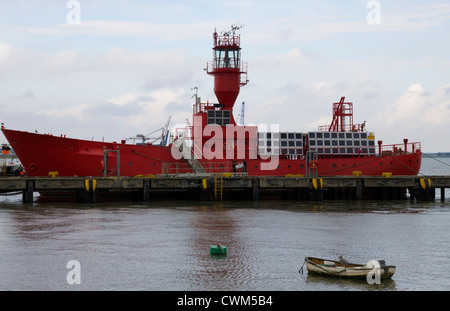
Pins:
x,y
340,111
230,73
342,119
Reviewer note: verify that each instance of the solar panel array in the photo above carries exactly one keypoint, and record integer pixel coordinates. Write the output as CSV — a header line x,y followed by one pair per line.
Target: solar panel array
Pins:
x,y
284,143
324,143
342,143
219,117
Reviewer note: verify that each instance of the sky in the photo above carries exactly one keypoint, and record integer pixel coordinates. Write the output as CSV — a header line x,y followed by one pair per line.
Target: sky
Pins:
x,y
111,69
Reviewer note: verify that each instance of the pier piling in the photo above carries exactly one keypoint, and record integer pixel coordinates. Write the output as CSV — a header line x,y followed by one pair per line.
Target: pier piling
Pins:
x,y
146,190
27,193
255,188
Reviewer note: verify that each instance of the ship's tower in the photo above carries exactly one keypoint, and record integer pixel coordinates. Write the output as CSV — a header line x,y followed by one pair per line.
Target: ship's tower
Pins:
x,y
230,73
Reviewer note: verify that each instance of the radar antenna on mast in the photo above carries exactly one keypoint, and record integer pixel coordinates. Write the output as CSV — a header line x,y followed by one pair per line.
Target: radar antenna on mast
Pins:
x,y
230,73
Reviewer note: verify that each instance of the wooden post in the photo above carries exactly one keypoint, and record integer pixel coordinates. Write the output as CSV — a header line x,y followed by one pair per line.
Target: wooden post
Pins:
x,y
206,190
88,194
146,190
425,190
27,194
422,191
255,188
359,189
316,189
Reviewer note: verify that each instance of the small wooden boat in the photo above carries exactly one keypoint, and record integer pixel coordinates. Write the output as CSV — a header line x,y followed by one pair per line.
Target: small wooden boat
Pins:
x,y
339,269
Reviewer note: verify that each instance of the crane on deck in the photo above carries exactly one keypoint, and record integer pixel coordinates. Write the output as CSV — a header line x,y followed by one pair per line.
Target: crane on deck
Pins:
x,y
163,137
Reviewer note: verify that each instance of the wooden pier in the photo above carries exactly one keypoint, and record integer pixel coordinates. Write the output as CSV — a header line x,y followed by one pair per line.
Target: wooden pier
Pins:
x,y
227,186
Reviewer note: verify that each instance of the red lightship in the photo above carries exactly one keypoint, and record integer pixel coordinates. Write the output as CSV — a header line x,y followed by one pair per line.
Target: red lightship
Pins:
x,y
215,143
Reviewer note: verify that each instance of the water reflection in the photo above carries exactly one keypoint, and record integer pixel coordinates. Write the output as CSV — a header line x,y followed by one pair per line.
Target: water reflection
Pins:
x,y
165,245
216,223
317,282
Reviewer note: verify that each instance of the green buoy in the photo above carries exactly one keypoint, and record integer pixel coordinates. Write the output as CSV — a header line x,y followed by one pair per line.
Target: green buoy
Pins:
x,y
218,249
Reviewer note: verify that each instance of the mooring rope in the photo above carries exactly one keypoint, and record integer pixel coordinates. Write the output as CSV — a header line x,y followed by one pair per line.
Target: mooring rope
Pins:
x,y
144,155
408,167
354,166
377,158
435,159
10,193
301,269
220,245
418,173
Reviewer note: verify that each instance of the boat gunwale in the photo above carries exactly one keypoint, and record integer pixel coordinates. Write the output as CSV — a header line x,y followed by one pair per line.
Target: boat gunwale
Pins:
x,y
362,269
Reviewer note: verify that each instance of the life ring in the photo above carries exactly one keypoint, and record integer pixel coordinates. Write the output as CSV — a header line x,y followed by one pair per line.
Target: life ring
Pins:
x,y
314,165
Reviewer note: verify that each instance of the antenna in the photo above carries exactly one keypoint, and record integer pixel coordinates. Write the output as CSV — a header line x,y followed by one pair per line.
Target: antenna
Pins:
x,y
195,95
234,29
196,91
242,113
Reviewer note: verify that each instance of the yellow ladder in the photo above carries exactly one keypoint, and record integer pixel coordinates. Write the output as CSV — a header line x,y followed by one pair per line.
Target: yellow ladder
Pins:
x,y
218,188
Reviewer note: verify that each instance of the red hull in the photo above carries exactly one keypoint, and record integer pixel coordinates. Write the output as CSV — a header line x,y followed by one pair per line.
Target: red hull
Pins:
x,y
42,154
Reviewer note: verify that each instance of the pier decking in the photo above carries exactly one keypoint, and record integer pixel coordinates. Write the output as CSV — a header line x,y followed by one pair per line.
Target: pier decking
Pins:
x,y
228,186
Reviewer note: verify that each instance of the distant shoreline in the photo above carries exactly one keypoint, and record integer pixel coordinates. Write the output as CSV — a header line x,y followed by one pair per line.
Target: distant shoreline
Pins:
x,y
438,154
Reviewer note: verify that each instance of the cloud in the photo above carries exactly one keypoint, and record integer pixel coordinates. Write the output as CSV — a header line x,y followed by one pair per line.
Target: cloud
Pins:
x,y
170,68
416,17
75,90
438,112
66,62
418,114
420,107
76,112
27,95
118,28
293,59
121,116
15,61
408,107
128,67
318,21
356,86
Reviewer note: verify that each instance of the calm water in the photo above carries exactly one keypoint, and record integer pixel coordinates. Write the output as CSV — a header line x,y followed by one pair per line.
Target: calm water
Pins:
x,y
165,245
